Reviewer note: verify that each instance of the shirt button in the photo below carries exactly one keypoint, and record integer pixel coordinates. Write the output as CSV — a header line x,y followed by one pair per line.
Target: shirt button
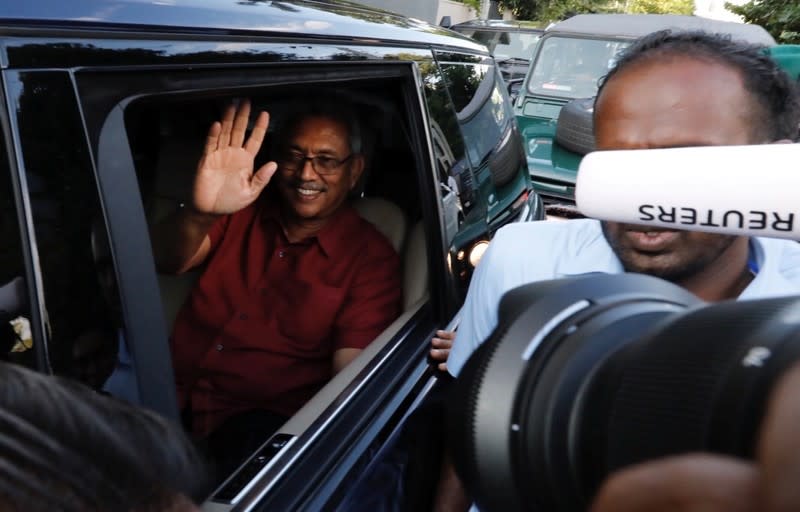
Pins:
x,y
281,254
219,347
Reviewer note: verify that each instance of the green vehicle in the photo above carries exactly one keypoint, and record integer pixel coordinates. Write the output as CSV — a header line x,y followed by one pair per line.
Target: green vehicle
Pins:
x,y
555,104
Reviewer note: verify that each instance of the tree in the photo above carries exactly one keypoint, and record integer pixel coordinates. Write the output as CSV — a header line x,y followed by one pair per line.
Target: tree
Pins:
x,y
475,5
781,18
661,7
553,10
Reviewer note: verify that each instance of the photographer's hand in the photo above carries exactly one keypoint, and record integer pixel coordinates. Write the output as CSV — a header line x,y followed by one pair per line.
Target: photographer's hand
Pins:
x,y
440,348
709,483
688,483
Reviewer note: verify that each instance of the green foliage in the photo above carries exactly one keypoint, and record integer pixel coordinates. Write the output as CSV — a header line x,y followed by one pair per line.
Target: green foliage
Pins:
x,y
554,10
661,7
475,5
781,18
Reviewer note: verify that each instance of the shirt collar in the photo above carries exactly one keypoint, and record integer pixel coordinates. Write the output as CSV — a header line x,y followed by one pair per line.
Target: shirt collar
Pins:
x,y
596,255
770,281
332,238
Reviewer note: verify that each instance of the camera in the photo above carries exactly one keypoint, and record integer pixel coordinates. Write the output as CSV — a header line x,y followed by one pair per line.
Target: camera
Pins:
x,y
586,375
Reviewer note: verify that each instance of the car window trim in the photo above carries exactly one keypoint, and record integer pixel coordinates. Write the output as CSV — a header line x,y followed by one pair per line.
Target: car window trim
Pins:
x,y
33,274
145,326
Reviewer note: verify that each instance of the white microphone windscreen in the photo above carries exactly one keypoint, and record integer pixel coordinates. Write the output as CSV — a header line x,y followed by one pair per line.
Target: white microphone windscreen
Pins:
x,y
741,190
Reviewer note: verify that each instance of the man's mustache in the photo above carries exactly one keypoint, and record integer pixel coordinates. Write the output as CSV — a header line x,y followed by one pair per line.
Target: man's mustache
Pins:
x,y
308,185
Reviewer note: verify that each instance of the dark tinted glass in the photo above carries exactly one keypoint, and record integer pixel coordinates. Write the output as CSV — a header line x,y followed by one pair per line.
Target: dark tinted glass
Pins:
x,y
479,107
454,170
16,341
80,296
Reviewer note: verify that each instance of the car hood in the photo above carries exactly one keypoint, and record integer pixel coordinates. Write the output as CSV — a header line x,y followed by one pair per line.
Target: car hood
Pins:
x,y
553,168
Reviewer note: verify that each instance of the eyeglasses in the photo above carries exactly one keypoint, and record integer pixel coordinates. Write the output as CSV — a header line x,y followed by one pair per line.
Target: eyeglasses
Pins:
x,y
294,160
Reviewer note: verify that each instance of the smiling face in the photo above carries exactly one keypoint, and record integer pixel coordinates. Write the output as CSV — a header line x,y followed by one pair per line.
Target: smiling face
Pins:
x,y
308,195
673,101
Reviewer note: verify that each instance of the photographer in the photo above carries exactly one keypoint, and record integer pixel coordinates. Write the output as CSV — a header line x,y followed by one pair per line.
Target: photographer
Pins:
x,y
667,90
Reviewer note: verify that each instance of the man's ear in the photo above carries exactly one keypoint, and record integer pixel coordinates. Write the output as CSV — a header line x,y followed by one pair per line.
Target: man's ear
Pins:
x,y
356,168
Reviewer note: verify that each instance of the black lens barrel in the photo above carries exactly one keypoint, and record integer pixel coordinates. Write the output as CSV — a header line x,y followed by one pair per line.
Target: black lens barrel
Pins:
x,y
587,375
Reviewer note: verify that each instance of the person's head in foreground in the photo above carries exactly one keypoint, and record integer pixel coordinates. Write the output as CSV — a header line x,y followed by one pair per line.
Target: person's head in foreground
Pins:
x,y
63,447
691,89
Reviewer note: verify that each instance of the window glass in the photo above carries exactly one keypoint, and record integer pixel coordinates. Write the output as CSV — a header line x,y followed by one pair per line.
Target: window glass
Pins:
x,y
454,170
508,44
246,307
16,342
570,67
479,107
81,302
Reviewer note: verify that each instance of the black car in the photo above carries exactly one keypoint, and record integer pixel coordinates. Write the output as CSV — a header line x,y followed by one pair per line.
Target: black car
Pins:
x,y
105,107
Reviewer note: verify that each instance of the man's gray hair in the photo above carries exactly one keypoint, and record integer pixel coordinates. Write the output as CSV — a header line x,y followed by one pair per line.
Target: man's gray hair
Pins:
x,y
335,109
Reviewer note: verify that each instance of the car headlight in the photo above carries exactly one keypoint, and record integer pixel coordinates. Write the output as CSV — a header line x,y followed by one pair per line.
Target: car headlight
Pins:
x,y
476,252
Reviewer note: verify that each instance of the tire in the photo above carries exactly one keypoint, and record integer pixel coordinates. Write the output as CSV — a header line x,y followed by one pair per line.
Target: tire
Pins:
x,y
575,128
507,159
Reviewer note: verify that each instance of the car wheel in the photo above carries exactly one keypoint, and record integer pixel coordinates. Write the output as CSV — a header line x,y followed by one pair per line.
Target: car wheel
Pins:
x,y
575,128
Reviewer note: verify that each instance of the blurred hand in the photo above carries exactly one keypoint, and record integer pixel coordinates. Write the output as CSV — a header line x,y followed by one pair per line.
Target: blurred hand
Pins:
x,y
715,483
225,182
440,348
688,483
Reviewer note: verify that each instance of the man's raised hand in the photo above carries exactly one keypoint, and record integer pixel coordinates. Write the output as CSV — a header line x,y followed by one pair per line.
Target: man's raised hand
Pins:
x,y
225,182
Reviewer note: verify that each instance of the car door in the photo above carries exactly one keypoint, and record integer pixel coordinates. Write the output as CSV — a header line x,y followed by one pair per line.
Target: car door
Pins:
x,y
85,191
308,462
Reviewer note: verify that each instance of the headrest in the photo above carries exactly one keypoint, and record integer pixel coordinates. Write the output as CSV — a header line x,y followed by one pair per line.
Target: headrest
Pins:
x,y
386,216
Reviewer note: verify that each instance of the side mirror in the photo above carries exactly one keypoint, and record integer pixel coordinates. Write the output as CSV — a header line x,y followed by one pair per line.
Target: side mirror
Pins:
x,y
513,86
446,22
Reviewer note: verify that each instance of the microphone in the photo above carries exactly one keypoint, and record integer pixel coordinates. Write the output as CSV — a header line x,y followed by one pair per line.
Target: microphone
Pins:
x,y
737,190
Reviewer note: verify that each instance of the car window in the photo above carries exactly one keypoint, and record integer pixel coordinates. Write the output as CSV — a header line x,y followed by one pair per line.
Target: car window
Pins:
x,y
16,340
473,89
458,185
82,316
506,44
480,107
167,135
570,67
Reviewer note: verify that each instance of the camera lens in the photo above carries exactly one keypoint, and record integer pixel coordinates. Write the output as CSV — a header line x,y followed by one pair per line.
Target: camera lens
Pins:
x,y
586,375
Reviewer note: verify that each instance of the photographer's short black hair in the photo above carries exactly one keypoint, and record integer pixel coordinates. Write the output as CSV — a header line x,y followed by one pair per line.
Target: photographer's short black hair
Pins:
x,y
65,448
771,88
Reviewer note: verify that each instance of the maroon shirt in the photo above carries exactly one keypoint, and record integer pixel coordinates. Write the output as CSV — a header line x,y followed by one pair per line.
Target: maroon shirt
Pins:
x,y
260,328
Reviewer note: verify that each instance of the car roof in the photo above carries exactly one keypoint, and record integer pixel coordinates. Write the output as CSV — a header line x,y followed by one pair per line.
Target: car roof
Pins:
x,y
532,26
322,19
638,25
